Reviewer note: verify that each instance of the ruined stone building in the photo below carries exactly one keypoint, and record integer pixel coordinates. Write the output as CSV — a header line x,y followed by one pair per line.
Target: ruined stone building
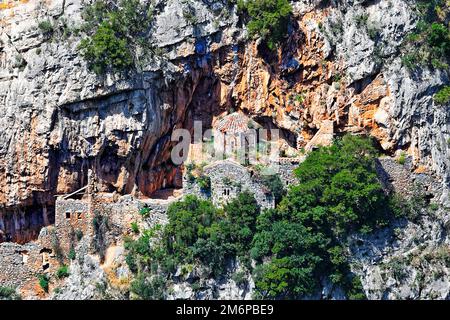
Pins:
x,y
229,178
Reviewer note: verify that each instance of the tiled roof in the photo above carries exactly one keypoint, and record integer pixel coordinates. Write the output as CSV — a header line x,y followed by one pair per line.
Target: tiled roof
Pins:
x,y
233,123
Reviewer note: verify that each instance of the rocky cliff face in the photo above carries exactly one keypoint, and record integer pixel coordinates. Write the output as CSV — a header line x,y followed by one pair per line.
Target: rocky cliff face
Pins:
x,y
59,119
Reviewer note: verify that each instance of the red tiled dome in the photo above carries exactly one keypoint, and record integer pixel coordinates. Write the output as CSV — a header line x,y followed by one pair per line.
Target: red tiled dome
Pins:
x,y
233,123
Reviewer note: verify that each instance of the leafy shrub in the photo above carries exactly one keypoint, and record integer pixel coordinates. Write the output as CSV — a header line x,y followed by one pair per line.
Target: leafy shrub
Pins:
x,y
338,193
46,27
7,293
443,96
106,50
135,227
204,182
116,33
72,254
268,19
240,278
190,167
402,158
429,44
148,287
44,282
356,292
62,272
145,211
199,233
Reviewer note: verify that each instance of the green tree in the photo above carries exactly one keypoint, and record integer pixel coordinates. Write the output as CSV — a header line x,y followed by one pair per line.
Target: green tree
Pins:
x,y
338,193
115,34
105,50
267,19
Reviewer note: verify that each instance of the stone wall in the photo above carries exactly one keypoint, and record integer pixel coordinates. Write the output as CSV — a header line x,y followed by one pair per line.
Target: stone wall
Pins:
x,y
229,178
21,265
404,180
286,170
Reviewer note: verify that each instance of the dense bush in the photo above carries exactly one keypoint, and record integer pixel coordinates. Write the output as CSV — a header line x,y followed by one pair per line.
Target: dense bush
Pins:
x,y
148,287
443,95
197,234
268,19
62,272
46,27
7,293
338,193
44,282
429,44
293,247
115,34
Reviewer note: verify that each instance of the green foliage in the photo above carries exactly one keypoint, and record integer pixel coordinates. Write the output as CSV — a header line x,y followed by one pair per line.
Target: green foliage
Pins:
x,y
106,50
338,193
242,214
267,19
44,282
147,287
356,291
72,254
361,20
204,182
79,234
197,233
189,172
429,44
46,27
240,278
402,158
135,227
7,293
341,182
293,246
145,211
293,249
116,33
62,272
443,96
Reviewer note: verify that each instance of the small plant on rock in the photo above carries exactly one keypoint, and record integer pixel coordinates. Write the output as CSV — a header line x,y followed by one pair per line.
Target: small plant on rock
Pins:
x,y
63,272
135,227
145,211
44,282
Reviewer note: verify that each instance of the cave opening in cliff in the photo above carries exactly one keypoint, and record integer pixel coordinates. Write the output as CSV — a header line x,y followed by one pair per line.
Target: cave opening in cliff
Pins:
x,y
288,136
22,225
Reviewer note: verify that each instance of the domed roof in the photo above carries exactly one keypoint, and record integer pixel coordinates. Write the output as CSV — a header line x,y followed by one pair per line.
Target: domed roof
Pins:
x,y
233,123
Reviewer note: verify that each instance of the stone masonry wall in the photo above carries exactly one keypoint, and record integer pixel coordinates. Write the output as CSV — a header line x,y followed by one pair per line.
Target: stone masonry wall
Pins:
x,y
229,178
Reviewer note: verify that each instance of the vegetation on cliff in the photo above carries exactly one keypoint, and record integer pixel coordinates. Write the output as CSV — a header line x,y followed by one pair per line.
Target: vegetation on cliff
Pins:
x,y
443,95
429,44
294,247
304,238
115,34
7,293
267,19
